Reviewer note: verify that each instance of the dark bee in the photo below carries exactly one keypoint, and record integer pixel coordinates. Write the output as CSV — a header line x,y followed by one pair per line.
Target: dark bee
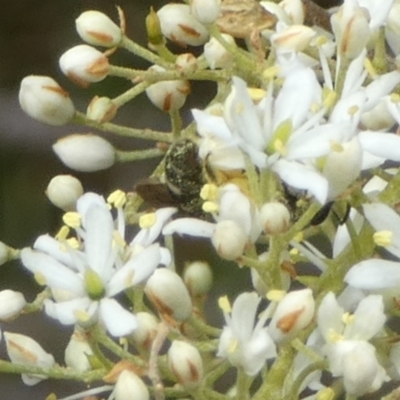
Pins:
x,y
184,179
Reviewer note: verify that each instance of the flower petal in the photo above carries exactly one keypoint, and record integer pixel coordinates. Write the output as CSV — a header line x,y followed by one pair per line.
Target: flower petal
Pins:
x,y
118,321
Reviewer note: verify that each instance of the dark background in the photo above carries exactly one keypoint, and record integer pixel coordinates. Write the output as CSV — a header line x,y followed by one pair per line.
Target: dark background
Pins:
x,y
33,35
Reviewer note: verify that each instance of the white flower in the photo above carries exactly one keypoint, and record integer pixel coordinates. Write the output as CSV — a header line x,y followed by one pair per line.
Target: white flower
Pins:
x,y
84,64
216,54
348,351
24,350
244,341
97,29
77,352
179,25
44,100
63,191
83,281
101,109
205,11
85,153
11,304
130,386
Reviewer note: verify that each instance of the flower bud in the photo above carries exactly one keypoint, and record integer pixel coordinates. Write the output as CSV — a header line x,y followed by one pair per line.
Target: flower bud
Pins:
x,y
229,239
169,294
293,313
23,350
392,29
198,278
168,95
129,386
379,118
101,109
153,28
4,253
186,62
293,38
44,100
97,29
63,191
216,55
84,64
146,330
180,26
185,363
11,304
205,11
86,153
294,9
275,217
77,352
351,29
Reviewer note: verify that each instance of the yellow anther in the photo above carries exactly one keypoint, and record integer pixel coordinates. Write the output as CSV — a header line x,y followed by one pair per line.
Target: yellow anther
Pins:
x,y
256,94
117,198
82,315
370,68
73,243
233,345
118,240
347,318
329,97
321,40
271,72
210,207
275,295
40,278
279,147
146,221
224,305
209,192
294,252
352,110
325,394
337,147
395,98
63,233
334,337
72,219
383,238
299,237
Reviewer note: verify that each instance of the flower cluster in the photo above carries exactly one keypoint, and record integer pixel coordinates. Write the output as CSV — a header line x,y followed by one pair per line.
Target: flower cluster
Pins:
x,y
294,147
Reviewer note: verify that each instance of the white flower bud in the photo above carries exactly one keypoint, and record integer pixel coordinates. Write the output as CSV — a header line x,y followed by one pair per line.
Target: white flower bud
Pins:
x,y
351,28
146,330
294,9
97,29
11,304
392,30
206,11
198,278
185,363
86,153
44,100
129,386
101,109
294,312
275,217
4,253
84,64
169,294
293,38
379,118
229,239
168,95
180,26
216,55
63,191
77,352
186,62
23,350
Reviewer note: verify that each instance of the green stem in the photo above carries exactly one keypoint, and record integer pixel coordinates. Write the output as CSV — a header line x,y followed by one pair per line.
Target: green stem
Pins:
x,y
176,123
243,383
128,156
130,94
146,134
142,52
379,60
202,327
55,372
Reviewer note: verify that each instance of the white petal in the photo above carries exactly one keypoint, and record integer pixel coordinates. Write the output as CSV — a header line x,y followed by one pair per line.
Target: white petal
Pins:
x,y
189,226
381,144
118,321
374,274
302,177
65,312
57,275
329,316
208,124
136,270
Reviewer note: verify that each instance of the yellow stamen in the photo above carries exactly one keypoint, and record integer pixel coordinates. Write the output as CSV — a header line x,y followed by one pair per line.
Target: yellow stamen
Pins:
x,y
209,192
117,198
63,233
210,207
275,295
224,305
146,221
383,238
72,219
